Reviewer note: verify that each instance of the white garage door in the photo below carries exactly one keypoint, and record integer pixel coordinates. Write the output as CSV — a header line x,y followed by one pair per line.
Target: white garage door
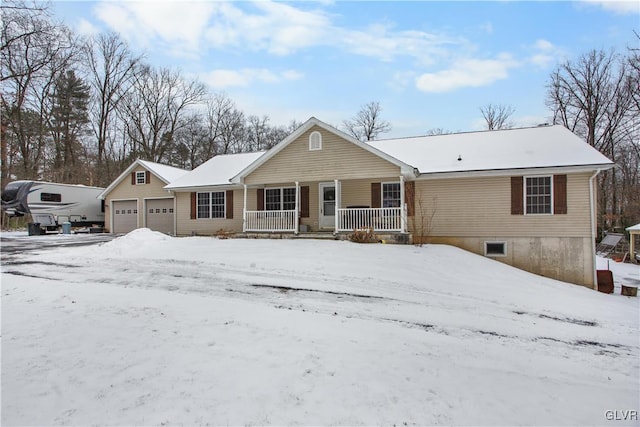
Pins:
x,y
125,216
160,215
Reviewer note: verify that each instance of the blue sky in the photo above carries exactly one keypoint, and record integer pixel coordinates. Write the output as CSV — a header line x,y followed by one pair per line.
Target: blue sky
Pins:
x,y
430,64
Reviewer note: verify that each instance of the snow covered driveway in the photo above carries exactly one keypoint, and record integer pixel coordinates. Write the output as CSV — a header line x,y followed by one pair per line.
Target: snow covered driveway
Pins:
x,y
153,330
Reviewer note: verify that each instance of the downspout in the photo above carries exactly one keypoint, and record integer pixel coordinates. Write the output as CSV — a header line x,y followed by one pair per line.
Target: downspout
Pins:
x,y
592,208
175,213
296,218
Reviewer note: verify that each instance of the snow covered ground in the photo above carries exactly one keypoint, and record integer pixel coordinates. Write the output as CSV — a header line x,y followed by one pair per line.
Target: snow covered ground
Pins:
x,y
153,330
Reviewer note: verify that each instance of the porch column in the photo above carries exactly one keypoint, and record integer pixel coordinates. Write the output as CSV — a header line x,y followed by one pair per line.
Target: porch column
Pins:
x,y
336,184
296,214
244,210
403,207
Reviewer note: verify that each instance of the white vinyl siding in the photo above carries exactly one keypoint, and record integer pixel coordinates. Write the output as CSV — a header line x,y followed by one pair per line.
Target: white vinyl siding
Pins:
x,y
338,159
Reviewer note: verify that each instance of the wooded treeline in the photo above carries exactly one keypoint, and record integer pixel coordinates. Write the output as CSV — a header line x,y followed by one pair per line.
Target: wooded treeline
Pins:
x,y
80,110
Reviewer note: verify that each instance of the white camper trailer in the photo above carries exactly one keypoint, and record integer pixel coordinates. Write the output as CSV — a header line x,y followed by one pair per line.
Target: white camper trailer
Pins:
x,y
77,204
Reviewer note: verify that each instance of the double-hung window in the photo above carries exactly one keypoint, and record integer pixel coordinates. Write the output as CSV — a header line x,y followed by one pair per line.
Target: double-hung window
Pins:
x,y
391,195
141,178
279,199
211,205
538,195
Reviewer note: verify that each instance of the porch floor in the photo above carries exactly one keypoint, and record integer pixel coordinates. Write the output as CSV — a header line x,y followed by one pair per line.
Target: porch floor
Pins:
x,y
321,235
390,237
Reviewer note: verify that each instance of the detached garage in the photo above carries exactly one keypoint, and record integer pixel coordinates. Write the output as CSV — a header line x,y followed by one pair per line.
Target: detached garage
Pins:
x,y
137,198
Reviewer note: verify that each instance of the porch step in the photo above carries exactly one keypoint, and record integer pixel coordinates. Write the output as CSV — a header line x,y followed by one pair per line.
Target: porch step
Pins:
x,y
320,235
308,235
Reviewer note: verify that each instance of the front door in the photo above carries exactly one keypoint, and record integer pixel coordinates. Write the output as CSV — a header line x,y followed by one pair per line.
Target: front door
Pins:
x,y
327,218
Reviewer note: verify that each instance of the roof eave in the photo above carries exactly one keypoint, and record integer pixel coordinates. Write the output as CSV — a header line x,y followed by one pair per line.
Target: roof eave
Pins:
x,y
202,187
517,171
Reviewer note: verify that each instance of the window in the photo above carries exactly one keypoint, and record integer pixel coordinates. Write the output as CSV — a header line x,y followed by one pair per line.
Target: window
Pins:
x,y
277,199
538,195
50,197
151,210
391,195
164,210
135,211
117,211
129,211
157,210
495,248
141,178
171,210
315,141
210,205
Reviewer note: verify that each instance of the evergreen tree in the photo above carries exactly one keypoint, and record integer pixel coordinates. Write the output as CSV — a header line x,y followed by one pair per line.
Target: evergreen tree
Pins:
x,y
69,119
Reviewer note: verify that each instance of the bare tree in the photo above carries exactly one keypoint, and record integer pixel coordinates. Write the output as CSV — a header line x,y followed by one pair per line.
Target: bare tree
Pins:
x,y
497,116
154,109
367,123
258,130
33,49
593,96
111,67
190,140
225,126
438,131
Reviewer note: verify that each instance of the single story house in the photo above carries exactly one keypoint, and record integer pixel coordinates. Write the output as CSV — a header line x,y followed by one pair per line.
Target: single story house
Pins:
x,y
526,197
137,198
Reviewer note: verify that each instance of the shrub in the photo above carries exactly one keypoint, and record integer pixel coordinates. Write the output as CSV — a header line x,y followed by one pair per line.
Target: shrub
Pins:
x,y
223,233
364,235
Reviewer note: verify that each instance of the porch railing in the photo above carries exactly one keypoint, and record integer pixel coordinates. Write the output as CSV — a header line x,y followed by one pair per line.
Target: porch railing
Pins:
x,y
270,221
380,219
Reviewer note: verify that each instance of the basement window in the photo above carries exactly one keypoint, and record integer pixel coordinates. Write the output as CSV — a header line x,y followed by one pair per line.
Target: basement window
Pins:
x,y
495,249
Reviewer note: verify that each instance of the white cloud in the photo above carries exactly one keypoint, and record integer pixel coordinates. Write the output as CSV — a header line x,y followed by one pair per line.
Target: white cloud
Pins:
x,y
467,73
545,53
221,79
178,25
487,27
279,29
86,28
282,29
382,42
616,6
402,79
184,28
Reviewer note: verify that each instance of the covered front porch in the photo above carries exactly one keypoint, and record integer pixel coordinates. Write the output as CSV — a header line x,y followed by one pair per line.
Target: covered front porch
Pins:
x,y
337,206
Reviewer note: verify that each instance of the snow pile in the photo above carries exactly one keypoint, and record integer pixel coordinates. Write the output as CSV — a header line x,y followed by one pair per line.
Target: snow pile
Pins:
x,y
136,241
153,330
